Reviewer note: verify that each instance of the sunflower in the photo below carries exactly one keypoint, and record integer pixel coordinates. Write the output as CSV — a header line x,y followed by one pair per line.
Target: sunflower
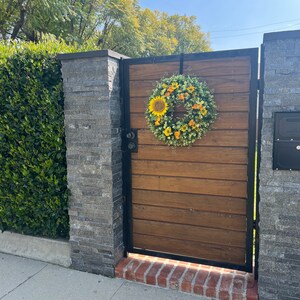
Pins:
x,y
168,131
158,106
175,85
190,89
203,111
184,128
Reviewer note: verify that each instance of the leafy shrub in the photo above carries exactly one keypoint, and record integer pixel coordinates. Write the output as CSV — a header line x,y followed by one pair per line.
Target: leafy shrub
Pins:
x,y
33,184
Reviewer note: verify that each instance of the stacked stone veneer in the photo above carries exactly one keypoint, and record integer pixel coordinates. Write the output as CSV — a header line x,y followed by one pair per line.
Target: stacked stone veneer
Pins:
x,y
94,159
279,256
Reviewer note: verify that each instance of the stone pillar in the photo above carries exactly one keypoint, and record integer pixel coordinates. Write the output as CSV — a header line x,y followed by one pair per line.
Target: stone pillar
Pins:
x,y
279,256
94,159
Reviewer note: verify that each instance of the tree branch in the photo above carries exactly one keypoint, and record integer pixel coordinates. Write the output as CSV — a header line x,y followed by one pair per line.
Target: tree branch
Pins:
x,y
19,23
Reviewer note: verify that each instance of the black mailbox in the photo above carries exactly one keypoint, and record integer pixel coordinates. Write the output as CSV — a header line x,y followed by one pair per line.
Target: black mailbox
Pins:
x,y
286,150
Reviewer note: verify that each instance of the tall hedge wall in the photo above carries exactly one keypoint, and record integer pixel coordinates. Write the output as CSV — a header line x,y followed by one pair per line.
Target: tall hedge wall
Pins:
x,y
33,185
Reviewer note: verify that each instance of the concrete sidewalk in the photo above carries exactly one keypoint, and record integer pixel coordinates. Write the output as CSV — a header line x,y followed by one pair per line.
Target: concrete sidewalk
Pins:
x,y
26,279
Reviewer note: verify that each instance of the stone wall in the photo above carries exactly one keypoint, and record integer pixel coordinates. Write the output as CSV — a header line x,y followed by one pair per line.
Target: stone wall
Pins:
x,y
94,159
279,256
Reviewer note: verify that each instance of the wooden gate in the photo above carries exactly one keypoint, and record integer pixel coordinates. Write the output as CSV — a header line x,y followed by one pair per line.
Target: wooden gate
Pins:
x,y
194,203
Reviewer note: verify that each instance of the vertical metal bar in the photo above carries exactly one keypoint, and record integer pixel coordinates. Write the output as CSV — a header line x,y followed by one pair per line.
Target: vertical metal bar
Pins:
x,y
260,113
126,161
251,158
181,63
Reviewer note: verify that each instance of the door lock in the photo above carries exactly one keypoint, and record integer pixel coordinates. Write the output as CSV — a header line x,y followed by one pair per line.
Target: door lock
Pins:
x,y
132,140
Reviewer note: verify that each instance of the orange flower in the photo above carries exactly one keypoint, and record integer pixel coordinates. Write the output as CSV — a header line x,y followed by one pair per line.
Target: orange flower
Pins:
x,y
197,106
192,123
170,89
186,94
177,134
167,94
181,97
157,122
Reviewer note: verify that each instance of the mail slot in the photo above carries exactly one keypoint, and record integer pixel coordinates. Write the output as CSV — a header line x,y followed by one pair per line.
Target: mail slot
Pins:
x,y
286,150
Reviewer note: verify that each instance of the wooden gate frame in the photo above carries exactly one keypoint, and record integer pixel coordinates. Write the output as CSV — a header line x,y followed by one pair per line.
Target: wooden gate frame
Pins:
x,y
252,53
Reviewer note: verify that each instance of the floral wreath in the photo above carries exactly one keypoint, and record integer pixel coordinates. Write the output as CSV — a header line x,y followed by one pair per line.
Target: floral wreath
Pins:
x,y
180,93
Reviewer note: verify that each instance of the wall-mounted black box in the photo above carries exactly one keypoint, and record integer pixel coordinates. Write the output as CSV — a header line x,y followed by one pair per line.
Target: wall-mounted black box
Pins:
x,y
286,148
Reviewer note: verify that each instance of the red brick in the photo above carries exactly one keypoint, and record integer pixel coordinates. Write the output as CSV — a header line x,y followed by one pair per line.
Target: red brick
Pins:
x,y
163,275
200,281
186,285
239,284
237,297
252,290
175,277
211,289
226,282
151,276
130,268
140,272
119,271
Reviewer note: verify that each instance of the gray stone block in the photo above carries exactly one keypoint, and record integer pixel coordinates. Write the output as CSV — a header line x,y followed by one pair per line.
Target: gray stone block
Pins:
x,y
92,126
279,268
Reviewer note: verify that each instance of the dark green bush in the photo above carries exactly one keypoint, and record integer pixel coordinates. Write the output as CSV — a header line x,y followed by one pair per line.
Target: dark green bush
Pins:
x,y
33,184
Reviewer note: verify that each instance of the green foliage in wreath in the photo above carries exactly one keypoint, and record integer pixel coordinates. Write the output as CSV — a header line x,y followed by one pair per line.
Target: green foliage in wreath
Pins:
x,y
180,110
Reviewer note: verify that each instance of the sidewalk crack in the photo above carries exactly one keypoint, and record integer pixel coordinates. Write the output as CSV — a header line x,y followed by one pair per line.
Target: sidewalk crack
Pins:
x,y
24,282
115,291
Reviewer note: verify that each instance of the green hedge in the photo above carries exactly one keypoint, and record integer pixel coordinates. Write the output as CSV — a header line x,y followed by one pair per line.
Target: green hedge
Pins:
x,y
33,184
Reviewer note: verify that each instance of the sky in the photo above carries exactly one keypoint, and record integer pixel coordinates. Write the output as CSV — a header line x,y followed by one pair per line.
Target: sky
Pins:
x,y
235,24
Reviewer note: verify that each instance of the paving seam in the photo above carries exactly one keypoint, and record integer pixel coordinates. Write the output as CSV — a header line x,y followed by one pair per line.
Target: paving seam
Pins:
x,y
27,279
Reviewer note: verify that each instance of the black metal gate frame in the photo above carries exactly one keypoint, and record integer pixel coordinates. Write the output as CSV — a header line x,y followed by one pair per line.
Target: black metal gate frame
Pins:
x,y
252,53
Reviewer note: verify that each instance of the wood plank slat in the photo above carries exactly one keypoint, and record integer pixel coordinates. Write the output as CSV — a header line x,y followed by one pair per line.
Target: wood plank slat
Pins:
x,y
217,138
191,249
224,102
154,71
218,67
190,185
193,154
190,233
225,120
190,170
205,203
220,85
189,217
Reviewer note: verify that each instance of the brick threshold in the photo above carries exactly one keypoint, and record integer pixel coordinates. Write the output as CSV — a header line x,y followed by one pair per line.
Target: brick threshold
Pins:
x,y
216,283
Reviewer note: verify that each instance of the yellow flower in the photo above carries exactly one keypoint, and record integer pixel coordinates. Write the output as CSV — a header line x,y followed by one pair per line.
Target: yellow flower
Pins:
x,y
157,121
177,134
190,89
175,85
168,131
164,86
158,106
184,128
203,111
